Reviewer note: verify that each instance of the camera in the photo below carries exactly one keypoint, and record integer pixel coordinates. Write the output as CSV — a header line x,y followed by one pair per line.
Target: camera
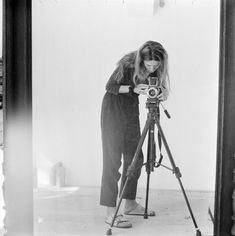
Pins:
x,y
153,89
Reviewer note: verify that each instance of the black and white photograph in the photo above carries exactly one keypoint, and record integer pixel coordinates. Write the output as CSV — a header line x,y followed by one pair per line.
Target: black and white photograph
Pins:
x,y
117,117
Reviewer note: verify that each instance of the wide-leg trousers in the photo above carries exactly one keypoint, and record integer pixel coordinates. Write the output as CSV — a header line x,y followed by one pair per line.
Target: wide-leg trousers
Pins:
x,y
120,137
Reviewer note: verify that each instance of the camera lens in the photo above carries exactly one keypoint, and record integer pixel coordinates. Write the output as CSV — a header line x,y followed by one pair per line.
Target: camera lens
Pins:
x,y
152,92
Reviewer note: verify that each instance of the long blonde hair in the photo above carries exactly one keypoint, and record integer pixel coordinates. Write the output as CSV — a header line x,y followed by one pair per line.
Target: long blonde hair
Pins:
x,y
152,51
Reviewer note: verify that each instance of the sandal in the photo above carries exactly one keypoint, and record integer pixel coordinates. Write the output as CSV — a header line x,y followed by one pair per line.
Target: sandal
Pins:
x,y
119,222
139,211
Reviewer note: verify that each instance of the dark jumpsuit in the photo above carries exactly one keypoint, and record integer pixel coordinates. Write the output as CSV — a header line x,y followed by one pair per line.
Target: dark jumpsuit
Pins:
x,y
120,136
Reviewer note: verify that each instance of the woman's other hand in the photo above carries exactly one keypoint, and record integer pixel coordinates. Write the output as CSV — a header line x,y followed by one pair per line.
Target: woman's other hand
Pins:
x,y
141,89
162,96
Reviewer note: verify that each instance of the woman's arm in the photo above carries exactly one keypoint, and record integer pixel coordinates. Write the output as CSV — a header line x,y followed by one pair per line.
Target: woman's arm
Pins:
x,y
114,87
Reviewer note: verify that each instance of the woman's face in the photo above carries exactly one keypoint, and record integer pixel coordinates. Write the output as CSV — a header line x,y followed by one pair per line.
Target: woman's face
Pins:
x,y
152,65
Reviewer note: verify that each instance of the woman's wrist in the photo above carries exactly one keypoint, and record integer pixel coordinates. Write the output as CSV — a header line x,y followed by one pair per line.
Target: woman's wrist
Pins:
x,y
131,89
125,89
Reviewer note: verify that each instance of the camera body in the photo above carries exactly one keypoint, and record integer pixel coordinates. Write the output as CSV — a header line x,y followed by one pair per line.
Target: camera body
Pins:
x,y
153,89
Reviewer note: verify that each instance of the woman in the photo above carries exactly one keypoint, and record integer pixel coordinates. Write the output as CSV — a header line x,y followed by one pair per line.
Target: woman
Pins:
x,y
120,124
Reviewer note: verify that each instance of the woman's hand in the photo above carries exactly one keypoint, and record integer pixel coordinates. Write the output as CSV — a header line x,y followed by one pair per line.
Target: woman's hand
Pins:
x,y
162,96
141,89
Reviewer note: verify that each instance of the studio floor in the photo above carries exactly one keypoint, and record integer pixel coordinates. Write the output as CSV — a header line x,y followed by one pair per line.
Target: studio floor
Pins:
x,y
76,211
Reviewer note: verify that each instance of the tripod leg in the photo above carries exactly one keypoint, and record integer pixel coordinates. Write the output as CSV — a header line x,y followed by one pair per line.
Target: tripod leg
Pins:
x,y
150,165
147,196
130,170
177,174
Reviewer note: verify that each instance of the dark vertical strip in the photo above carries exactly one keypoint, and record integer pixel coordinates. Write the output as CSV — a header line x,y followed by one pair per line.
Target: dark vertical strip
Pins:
x,y
17,49
226,121
17,109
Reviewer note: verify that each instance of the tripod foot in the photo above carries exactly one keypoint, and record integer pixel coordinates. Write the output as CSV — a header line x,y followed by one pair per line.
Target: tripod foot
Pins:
x,y
145,216
198,233
109,232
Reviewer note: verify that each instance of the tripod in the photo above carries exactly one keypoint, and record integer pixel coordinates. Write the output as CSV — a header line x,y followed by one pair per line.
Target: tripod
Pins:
x,y
152,120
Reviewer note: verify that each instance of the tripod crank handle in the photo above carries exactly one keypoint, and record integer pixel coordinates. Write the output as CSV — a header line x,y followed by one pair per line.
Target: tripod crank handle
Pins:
x,y
167,114
165,111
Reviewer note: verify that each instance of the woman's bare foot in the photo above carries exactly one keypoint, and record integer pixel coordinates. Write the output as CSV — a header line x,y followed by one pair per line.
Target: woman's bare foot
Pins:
x,y
130,205
134,208
110,211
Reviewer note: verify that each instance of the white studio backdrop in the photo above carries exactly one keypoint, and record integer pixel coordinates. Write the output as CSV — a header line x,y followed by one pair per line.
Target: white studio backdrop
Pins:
x,y
76,45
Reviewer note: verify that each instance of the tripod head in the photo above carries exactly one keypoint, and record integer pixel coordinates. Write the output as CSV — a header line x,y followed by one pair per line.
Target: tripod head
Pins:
x,y
152,102
153,105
